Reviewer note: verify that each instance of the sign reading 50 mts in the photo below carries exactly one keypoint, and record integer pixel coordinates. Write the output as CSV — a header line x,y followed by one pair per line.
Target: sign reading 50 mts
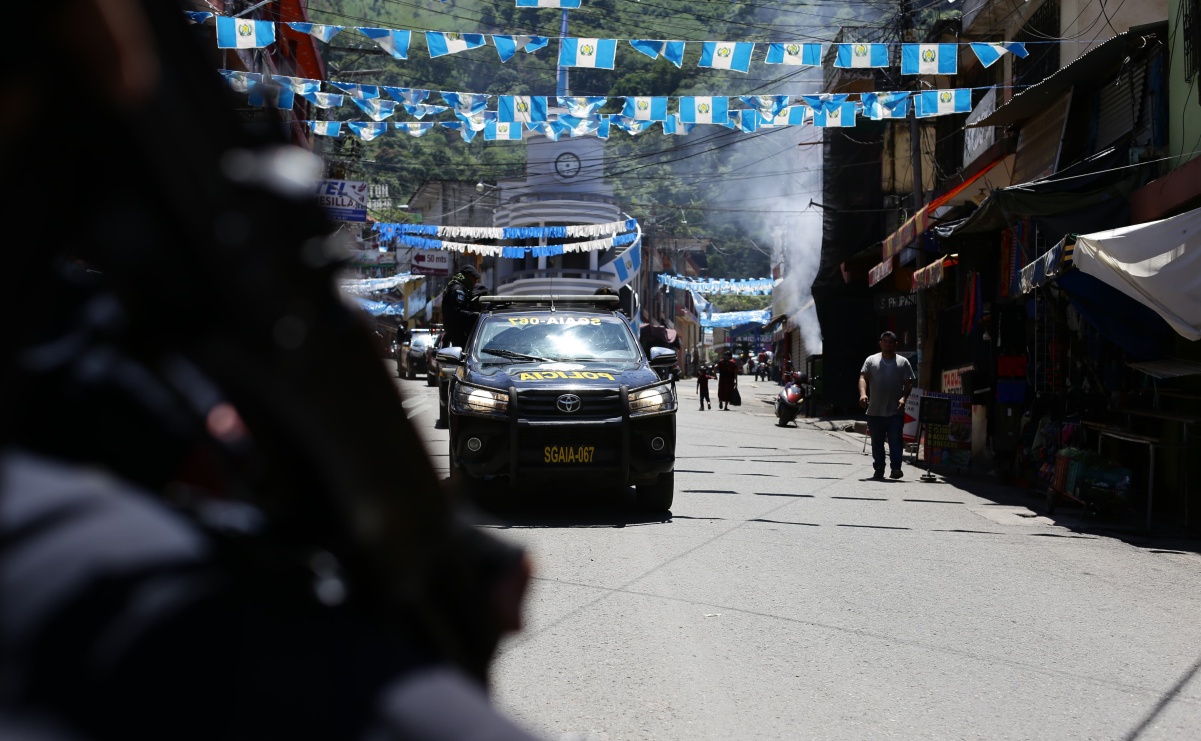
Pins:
x,y
343,200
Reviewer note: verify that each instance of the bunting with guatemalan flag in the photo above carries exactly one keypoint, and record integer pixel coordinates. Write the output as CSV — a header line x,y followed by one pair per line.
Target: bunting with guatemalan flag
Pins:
x,y
324,100
396,43
476,121
841,115
466,102
627,264
414,128
630,125
546,129
319,31
507,46
264,94
241,82
930,103
731,55
589,53
568,4
355,90
366,131
242,33
377,109
746,120
989,53
858,56
797,55
795,115
421,110
880,106
704,109
929,59
407,94
645,108
326,128
441,43
502,131
466,132
581,106
674,126
298,85
767,105
521,108
672,51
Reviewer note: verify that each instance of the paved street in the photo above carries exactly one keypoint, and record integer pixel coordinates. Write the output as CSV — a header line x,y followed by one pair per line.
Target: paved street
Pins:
x,y
789,597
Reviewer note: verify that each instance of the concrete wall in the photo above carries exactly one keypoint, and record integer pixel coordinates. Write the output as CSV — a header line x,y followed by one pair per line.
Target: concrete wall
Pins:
x,y
1184,103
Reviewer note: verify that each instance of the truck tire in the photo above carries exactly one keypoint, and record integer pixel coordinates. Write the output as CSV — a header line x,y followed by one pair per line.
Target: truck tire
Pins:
x,y
657,497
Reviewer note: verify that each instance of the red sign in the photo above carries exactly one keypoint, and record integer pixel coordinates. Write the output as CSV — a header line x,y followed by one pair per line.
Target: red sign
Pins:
x,y
431,263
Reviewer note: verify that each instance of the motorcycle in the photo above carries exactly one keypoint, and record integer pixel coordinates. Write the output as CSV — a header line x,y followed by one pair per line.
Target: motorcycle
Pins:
x,y
788,403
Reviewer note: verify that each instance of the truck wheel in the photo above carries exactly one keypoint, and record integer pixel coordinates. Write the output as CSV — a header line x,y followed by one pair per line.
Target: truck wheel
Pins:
x,y
657,497
410,374
431,379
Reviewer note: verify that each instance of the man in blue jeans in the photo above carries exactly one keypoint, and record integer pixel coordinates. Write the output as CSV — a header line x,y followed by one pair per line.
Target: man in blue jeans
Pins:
x,y
884,383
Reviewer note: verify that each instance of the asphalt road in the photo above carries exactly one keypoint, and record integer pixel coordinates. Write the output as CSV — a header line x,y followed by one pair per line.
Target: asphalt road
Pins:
x,y
790,597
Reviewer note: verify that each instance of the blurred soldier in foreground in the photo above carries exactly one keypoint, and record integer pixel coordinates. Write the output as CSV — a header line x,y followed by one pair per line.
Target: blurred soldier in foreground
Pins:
x,y
202,534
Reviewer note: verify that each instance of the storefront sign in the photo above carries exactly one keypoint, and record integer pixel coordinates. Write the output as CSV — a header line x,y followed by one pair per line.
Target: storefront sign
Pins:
x,y
431,262
947,445
372,257
901,238
343,200
952,380
929,276
895,301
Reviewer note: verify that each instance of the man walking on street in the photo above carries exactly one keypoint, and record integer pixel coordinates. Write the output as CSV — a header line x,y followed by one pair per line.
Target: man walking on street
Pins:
x,y
884,384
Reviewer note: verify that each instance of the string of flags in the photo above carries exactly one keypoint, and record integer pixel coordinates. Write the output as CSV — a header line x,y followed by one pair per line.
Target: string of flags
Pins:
x,y
517,251
601,53
367,286
736,318
434,237
747,286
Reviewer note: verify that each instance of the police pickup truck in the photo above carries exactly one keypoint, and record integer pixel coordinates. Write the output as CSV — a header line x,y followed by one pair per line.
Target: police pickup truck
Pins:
x,y
557,388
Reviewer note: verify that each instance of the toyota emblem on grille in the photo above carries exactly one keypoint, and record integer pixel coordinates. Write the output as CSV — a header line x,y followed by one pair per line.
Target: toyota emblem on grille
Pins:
x,y
568,403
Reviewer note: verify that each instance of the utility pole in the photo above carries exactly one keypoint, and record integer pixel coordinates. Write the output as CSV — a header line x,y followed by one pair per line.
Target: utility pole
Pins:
x,y
561,77
919,196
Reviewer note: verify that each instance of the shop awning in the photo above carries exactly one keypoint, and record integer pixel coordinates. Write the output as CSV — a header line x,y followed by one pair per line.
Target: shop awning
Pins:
x,y
1086,68
921,221
1157,264
933,274
1047,266
1168,368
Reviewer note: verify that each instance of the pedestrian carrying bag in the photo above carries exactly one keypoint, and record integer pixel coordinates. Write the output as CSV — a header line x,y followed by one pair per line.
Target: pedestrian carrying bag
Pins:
x,y
735,397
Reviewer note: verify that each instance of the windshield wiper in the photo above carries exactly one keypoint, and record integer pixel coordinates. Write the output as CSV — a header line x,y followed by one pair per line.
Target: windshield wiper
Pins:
x,y
514,355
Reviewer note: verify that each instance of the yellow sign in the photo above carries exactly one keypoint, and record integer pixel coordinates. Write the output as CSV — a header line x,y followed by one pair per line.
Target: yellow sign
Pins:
x,y
564,375
568,454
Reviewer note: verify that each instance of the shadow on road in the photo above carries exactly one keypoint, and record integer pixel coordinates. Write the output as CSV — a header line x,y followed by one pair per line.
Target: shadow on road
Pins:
x,y
573,507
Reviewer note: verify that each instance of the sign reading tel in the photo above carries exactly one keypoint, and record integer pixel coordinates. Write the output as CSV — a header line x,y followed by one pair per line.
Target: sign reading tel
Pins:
x,y
343,200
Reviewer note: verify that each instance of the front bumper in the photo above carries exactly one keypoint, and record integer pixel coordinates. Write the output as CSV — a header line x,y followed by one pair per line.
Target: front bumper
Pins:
x,y
528,444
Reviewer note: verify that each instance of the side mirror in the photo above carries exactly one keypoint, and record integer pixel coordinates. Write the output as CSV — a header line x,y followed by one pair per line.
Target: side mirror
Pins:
x,y
450,355
662,357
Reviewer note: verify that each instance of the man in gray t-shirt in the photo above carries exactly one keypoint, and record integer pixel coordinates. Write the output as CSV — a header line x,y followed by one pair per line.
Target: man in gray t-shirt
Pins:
x,y
884,383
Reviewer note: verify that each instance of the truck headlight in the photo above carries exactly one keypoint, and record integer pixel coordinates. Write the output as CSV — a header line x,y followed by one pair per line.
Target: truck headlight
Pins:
x,y
484,401
654,399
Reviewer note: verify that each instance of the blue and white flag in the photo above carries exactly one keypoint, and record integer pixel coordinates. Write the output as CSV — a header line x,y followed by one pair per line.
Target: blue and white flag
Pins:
x,y
440,43
317,30
747,120
629,125
942,102
395,43
794,115
264,94
929,59
879,106
421,110
298,85
465,131
674,126
732,55
323,100
627,264
548,3
378,109
825,101
478,121
578,126
768,105
366,131
354,90
797,55
602,127
241,82
502,131
989,53
840,116
326,128
242,33
861,55
198,17
546,129
413,128
704,109
507,46
521,108
645,108
592,53
581,106
406,94
672,51
466,102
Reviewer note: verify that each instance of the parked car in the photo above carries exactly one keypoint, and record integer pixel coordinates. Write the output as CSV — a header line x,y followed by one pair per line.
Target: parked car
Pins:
x,y
432,367
411,354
